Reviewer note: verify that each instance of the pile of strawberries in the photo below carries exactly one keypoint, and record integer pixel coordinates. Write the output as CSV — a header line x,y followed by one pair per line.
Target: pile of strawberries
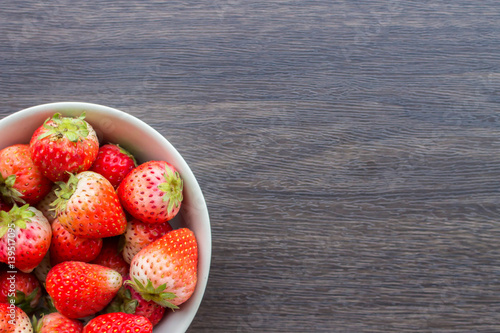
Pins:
x,y
85,240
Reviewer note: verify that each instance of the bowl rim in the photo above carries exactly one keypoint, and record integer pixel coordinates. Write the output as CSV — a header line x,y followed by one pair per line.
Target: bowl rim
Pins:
x,y
202,281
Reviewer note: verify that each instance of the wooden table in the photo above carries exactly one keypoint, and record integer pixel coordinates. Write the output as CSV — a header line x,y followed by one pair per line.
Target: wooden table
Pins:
x,y
348,150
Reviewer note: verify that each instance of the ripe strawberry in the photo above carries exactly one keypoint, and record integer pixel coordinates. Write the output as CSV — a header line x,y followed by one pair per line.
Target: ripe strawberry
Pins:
x,y
45,205
67,247
64,145
24,237
80,289
111,256
21,288
118,322
130,301
114,163
21,180
152,192
165,271
14,320
56,322
88,206
139,234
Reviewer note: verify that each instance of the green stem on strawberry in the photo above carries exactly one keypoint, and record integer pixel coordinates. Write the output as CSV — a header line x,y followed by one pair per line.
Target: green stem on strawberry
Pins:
x,y
7,190
122,302
74,129
23,301
172,187
150,293
64,193
16,217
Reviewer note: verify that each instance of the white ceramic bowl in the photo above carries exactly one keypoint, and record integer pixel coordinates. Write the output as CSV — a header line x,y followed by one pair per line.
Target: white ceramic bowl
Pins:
x,y
146,144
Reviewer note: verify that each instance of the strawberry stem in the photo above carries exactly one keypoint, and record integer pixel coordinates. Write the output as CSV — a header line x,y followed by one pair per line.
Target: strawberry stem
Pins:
x,y
172,186
74,129
64,193
150,293
16,217
7,190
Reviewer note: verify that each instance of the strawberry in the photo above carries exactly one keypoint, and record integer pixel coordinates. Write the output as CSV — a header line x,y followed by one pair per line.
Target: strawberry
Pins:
x,y
45,205
21,180
130,301
14,320
56,322
88,206
23,289
67,247
118,322
165,271
24,237
152,192
81,289
64,145
114,163
111,256
139,234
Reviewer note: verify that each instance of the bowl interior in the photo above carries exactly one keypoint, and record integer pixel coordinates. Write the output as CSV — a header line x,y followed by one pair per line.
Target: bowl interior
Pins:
x,y
145,144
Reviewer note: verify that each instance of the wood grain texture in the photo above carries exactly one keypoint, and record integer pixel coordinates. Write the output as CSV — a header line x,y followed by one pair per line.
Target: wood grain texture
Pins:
x,y
348,150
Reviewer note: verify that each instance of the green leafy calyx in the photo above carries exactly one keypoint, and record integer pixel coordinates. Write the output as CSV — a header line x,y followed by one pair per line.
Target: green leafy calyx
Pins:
x,y
64,193
17,217
150,293
57,127
7,190
172,186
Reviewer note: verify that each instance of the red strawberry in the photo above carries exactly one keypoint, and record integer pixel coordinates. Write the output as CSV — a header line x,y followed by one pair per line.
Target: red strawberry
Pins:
x,y
139,234
130,301
21,288
118,322
111,256
165,271
88,206
152,192
114,163
67,247
24,237
64,145
56,322
80,289
14,320
20,179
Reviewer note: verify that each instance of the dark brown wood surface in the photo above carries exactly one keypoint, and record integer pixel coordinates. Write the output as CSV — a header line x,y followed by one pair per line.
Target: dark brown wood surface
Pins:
x,y
349,151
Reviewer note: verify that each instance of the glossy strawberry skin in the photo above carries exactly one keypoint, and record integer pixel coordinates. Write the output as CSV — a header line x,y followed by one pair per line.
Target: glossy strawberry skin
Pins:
x,y
118,322
139,235
67,247
114,163
93,210
111,256
56,154
29,180
27,288
56,322
80,289
171,260
32,242
152,192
